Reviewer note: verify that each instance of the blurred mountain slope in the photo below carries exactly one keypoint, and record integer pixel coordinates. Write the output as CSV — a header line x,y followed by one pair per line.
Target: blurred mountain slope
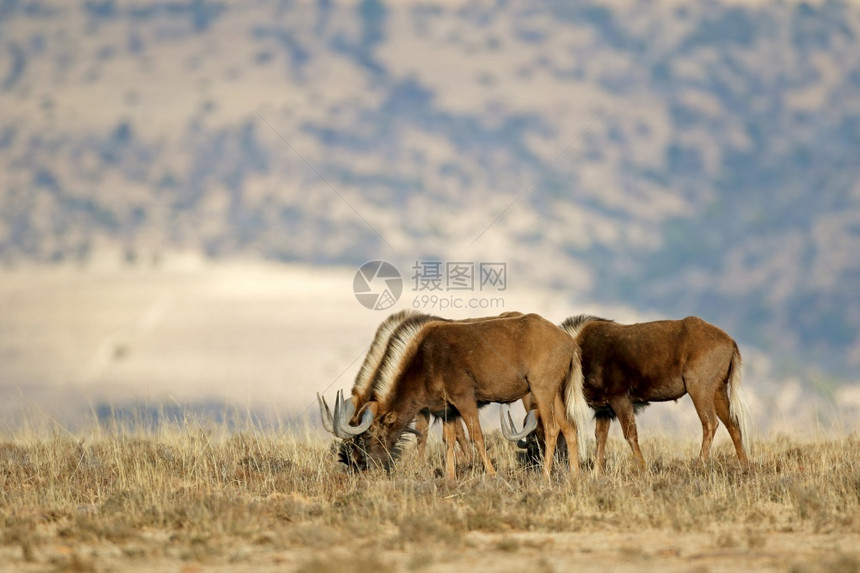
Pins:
x,y
686,159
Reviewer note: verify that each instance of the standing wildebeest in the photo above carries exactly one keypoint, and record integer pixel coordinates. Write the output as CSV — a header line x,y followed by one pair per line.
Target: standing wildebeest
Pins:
x,y
455,366
361,389
405,323
624,367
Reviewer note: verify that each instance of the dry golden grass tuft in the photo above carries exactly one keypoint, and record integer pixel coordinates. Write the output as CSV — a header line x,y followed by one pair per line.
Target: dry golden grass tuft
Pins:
x,y
251,500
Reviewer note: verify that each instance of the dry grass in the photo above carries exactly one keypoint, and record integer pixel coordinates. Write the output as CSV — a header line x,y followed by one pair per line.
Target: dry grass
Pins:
x,y
250,500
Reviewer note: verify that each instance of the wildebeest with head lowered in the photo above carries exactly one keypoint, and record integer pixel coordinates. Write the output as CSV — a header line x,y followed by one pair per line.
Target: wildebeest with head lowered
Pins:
x,y
401,326
624,367
530,441
362,388
455,366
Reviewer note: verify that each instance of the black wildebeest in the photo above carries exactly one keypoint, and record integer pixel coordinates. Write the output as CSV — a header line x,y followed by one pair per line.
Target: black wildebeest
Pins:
x,y
625,367
454,367
406,324
362,387
530,438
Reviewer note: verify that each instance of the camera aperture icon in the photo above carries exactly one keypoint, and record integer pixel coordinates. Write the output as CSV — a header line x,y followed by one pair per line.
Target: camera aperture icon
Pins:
x,y
377,285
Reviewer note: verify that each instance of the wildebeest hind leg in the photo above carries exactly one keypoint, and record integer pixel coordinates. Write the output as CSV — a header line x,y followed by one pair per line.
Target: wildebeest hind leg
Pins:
x,y
623,408
721,404
549,422
704,403
570,434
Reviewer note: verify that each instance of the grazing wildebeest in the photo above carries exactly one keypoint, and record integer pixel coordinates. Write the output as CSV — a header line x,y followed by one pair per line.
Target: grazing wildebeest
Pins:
x,y
454,367
363,380
407,323
530,438
628,366
362,388
625,366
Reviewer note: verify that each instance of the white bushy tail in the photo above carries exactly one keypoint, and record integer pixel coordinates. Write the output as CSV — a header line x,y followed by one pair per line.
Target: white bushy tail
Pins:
x,y
574,402
738,407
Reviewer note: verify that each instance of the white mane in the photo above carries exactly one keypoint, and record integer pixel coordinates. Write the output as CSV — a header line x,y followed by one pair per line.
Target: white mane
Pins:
x,y
376,352
392,363
574,324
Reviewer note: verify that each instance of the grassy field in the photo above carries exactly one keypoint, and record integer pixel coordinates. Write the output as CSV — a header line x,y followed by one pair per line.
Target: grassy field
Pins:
x,y
197,498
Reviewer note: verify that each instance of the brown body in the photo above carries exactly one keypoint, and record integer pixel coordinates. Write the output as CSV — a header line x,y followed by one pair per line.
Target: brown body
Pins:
x,y
362,389
422,421
402,326
627,365
456,366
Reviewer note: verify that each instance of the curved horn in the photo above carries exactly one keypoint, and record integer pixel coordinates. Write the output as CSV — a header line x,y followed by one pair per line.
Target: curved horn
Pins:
x,y
366,420
325,413
509,428
343,412
347,408
337,421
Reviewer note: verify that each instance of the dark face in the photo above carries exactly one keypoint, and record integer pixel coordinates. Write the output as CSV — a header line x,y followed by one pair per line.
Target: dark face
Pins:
x,y
531,453
368,450
353,453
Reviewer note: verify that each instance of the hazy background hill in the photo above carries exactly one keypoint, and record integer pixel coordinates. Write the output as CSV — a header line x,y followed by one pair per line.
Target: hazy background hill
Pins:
x,y
671,157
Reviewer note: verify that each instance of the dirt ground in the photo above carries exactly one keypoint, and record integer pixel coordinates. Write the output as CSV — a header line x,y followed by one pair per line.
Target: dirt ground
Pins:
x,y
622,551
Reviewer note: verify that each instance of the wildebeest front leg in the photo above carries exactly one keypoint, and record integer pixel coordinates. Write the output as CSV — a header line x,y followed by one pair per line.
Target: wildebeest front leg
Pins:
x,y
469,411
465,446
422,425
449,431
601,433
623,408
